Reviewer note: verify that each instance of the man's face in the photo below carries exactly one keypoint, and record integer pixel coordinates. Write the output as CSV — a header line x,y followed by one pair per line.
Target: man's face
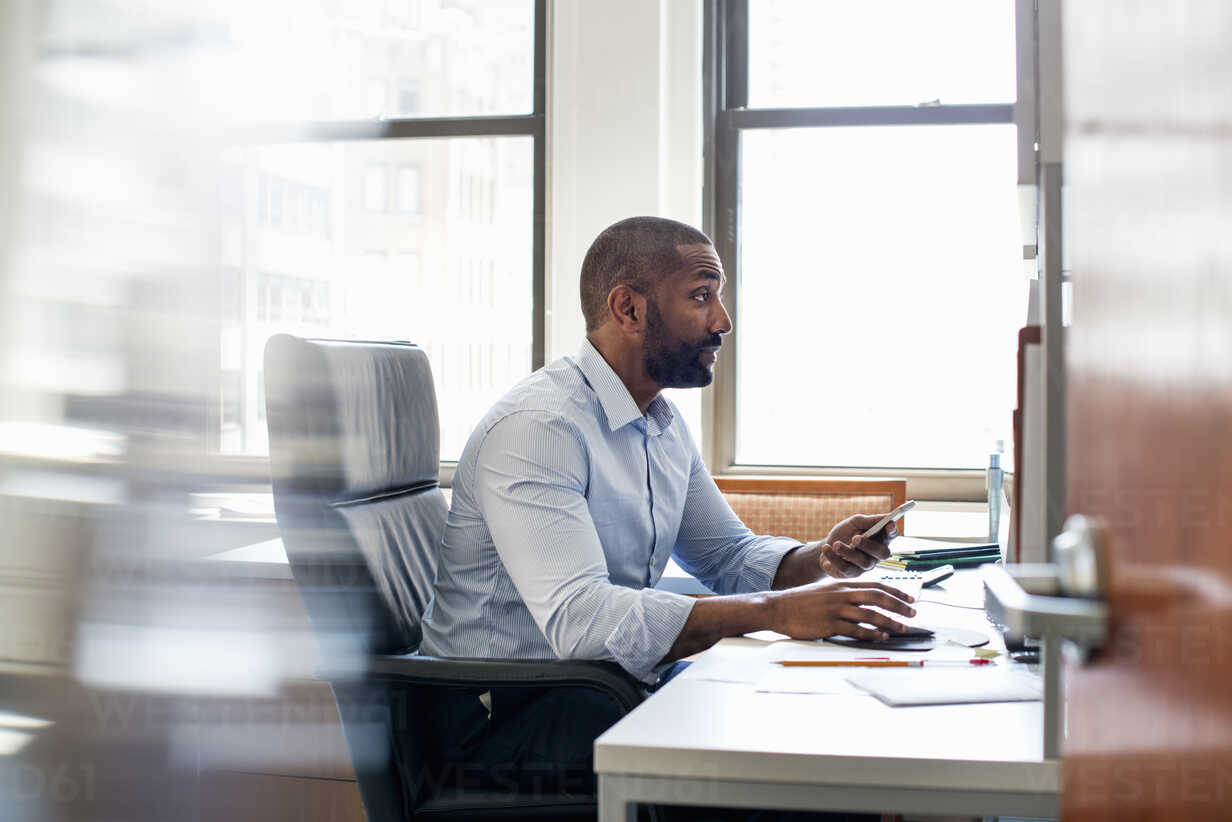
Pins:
x,y
685,321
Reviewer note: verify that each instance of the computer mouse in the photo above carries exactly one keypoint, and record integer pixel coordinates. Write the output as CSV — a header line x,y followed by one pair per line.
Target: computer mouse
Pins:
x,y
912,630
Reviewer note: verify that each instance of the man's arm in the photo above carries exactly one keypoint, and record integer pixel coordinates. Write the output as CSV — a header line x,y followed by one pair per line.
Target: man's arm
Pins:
x,y
530,488
845,552
811,611
800,566
715,546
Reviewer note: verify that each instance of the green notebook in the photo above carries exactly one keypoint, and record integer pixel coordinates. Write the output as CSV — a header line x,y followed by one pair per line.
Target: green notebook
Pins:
x,y
957,562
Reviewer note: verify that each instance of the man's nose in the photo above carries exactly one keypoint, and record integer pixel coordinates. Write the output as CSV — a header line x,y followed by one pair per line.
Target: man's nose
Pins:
x,y
722,324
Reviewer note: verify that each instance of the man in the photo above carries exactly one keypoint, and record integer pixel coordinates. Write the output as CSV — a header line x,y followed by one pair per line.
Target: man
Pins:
x,y
578,485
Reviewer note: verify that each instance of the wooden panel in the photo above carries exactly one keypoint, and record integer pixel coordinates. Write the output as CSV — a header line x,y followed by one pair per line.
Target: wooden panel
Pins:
x,y
805,508
1149,361
297,733
241,797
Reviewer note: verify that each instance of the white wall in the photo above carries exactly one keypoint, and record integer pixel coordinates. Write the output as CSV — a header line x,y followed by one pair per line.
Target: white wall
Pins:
x,y
624,132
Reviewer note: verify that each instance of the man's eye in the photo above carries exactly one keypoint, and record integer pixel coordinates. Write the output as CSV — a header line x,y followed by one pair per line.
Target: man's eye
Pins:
x,y
702,296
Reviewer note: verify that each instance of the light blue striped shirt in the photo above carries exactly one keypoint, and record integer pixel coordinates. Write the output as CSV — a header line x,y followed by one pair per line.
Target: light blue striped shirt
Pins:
x,y
567,502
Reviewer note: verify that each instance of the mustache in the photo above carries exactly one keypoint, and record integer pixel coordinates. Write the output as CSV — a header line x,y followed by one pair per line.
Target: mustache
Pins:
x,y
715,341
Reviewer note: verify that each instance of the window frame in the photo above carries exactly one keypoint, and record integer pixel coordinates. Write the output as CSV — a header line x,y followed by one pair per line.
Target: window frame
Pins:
x,y
241,469
726,114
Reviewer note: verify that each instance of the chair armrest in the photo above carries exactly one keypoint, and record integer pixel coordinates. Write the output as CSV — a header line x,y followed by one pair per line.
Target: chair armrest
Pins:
x,y
607,677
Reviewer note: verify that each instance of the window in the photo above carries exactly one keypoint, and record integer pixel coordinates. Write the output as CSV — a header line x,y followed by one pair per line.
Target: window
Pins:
x,y
230,401
374,188
408,190
232,299
865,202
408,96
382,115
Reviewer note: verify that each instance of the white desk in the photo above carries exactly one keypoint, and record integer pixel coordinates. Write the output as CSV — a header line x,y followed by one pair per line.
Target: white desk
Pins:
x,y
705,742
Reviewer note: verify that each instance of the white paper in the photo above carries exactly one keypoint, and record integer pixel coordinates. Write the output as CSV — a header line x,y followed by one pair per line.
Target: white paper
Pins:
x,y
941,686
803,680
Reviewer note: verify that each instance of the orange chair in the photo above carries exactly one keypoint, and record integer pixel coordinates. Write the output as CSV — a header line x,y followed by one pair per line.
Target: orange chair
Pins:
x,y
807,508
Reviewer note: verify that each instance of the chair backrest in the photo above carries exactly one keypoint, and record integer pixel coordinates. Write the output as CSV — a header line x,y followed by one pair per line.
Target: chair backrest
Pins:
x,y
807,508
354,456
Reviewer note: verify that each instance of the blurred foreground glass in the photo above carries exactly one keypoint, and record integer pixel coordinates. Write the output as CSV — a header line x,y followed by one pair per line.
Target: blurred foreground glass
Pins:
x,y
880,52
142,677
420,240
371,59
881,289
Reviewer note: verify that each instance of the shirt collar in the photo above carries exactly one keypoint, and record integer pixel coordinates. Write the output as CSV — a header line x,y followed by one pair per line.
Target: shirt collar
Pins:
x,y
615,398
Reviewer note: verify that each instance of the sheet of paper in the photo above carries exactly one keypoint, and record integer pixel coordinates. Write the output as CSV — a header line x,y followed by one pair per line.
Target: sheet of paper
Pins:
x,y
783,680
921,686
740,662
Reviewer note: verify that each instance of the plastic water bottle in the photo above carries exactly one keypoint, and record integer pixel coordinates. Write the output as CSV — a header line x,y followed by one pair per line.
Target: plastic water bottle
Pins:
x,y
994,481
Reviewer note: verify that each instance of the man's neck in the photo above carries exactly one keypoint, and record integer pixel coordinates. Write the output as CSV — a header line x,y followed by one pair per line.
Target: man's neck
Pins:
x,y
629,365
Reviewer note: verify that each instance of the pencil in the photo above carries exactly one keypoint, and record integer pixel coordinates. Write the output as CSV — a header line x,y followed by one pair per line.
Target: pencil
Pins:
x,y
877,663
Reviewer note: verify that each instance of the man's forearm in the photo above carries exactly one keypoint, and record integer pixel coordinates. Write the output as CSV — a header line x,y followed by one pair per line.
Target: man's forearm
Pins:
x,y
713,618
799,566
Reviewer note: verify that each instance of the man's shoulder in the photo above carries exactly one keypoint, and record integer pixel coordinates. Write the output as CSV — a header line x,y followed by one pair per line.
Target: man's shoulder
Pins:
x,y
557,392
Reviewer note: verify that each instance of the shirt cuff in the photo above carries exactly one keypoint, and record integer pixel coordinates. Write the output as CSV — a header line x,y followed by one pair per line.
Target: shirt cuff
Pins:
x,y
761,563
648,630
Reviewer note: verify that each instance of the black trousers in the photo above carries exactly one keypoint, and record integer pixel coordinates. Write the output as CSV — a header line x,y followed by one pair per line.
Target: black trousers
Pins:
x,y
537,740
534,740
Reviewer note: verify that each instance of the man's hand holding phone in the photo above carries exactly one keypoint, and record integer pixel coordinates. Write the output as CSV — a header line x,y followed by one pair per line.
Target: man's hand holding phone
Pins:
x,y
859,542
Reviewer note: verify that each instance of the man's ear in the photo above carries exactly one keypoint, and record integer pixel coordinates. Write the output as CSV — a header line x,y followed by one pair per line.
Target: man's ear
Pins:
x,y
628,309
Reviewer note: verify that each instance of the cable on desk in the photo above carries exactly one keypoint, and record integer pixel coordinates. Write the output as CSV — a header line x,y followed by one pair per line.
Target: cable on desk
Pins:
x,y
952,604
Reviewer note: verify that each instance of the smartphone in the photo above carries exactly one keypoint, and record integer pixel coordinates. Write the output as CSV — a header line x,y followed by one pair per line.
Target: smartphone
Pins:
x,y
894,515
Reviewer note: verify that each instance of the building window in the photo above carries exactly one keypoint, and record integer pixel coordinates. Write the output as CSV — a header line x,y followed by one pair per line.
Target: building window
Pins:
x,y
375,177
231,297
376,123
408,190
408,97
866,207
231,398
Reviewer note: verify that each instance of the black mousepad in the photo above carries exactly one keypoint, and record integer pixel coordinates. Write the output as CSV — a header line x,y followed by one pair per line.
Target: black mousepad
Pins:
x,y
941,636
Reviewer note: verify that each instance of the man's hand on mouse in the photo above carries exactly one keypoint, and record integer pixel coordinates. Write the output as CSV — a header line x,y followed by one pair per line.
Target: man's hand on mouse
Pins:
x,y
846,552
831,608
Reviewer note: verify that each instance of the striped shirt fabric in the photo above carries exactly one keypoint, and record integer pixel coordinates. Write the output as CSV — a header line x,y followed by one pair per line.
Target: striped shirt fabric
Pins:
x,y
567,502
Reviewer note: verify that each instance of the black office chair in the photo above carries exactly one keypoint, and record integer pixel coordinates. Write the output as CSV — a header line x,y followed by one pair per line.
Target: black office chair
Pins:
x,y
354,454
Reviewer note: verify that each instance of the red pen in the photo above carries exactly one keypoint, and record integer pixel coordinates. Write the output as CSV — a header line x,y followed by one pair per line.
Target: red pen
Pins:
x,y
880,663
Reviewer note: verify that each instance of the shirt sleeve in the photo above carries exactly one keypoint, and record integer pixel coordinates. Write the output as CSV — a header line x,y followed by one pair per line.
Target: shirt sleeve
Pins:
x,y
716,547
530,484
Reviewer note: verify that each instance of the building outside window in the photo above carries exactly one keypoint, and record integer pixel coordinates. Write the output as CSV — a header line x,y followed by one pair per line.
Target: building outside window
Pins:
x,y
375,179
382,113
408,190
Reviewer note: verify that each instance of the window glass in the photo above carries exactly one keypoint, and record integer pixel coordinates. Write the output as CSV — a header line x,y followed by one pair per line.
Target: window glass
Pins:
x,y
880,52
366,59
375,177
881,289
452,277
408,190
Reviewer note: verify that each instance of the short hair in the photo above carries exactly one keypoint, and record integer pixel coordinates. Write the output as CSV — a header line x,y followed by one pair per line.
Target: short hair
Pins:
x,y
637,252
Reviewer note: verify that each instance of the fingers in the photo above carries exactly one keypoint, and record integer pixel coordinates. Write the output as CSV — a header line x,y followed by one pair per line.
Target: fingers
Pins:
x,y
862,553
874,548
835,565
857,631
862,522
872,596
889,589
856,613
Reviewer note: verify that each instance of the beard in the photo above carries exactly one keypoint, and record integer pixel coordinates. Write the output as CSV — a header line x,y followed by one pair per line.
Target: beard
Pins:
x,y
671,362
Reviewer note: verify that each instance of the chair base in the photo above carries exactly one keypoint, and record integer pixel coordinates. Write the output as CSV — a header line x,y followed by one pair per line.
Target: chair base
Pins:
x,y
477,805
